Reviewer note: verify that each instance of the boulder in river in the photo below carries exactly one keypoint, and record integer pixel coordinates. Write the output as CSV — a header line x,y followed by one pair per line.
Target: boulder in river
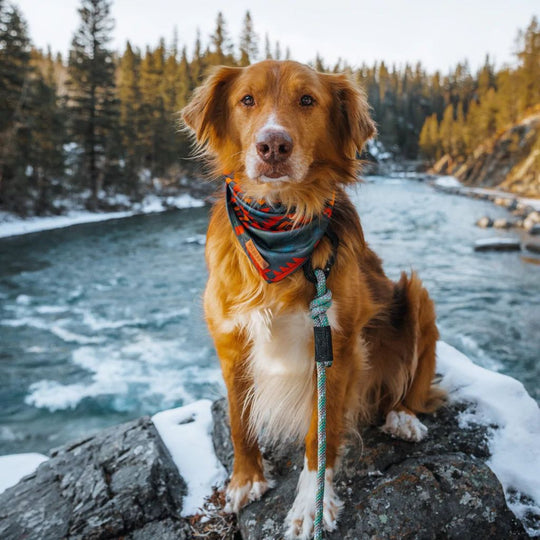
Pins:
x,y
502,223
533,247
497,244
484,222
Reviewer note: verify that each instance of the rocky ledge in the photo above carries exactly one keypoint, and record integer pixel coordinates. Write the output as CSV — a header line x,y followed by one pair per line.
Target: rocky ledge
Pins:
x,y
122,483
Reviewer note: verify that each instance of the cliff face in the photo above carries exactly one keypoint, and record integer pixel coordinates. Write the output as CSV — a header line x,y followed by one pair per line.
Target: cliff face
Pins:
x,y
510,161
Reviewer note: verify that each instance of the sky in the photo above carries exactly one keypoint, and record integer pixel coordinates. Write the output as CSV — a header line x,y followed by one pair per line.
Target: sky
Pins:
x,y
439,33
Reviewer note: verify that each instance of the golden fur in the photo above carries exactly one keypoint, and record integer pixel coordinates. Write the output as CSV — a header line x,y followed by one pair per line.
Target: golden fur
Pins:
x,y
384,333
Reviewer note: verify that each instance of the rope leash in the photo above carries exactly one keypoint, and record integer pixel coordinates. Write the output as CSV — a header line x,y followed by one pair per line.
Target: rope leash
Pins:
x,y
323,358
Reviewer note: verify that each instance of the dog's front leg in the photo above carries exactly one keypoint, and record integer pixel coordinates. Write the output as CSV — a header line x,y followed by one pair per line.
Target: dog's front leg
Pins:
x,y
300,519
247,481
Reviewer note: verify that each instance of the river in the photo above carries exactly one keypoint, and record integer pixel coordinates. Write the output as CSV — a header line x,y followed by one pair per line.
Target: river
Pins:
x,y
101,323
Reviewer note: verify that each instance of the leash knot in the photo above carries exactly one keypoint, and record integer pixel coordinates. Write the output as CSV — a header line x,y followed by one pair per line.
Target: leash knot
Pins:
x,y
322,301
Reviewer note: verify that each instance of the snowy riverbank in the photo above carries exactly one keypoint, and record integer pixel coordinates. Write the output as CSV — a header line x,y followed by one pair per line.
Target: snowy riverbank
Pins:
x,y
452,185
498,402
13,225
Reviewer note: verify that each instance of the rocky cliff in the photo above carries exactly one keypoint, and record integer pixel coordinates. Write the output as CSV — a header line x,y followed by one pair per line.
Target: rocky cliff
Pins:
x,y
509,161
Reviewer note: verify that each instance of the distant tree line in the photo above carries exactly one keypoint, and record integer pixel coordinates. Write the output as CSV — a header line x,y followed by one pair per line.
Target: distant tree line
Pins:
x,y
477,108
102,122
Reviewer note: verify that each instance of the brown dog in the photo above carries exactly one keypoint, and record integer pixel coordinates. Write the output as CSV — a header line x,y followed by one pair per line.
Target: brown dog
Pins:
x,y
289,137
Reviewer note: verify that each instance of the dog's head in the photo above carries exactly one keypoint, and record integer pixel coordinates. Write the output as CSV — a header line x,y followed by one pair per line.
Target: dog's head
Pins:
x,y
280,123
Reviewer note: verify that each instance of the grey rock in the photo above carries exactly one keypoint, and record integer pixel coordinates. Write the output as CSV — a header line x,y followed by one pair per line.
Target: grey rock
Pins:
x,y
484,222
497,244
533,247
120,483
221,434
535,229
503,223
438,488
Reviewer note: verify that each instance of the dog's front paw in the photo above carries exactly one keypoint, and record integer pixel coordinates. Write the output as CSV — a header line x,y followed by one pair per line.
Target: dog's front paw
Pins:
x,y
300,519
242,491
403,425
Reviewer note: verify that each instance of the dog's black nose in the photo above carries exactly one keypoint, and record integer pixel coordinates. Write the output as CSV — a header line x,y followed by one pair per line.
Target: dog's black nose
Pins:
x,y
274,145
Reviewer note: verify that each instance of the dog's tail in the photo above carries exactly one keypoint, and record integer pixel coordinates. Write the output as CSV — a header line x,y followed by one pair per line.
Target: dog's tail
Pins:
x,y
423,395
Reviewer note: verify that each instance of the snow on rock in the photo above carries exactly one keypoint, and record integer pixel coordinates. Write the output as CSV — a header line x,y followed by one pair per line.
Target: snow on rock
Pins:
x,y
447,182
498,400
13,467
497,244
187,434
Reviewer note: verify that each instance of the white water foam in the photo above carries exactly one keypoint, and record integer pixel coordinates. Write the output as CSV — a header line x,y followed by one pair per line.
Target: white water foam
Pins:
x,y
144,373
57,328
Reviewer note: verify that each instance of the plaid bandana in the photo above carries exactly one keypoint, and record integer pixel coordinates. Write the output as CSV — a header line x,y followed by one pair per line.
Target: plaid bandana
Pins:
x,y
273,242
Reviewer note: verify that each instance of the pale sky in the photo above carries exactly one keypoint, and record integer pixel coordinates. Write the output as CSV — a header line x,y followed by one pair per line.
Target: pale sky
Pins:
x,y
438,32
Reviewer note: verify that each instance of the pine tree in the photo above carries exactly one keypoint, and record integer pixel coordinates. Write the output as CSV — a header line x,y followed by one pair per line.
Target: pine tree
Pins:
x,y
129,96
446,129
92,91
198,63
185,81
267,50
221,43
249,48
319,64
14,89
529,70
429,137
277,53
45,134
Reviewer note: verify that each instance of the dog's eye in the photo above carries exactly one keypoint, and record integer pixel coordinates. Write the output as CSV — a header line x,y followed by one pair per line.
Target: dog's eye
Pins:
x,y
306,101
248,101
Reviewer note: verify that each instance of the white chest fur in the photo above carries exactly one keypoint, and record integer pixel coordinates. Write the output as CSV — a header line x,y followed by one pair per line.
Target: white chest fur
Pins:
x,y
282,367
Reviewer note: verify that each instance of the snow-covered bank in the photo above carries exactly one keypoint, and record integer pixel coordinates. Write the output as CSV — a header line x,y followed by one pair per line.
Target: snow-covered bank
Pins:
x,y
452,184
15,466
498,400
12,225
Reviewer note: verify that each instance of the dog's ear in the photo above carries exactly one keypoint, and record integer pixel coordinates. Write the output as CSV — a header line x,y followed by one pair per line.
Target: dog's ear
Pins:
x,y
353,122
207,113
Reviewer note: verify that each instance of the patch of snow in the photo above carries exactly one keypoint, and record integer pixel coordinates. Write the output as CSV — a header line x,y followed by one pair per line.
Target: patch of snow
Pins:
x,y
14,467
185,201
533,203
186,432
152,204
377,150
498,400
12,225
447,182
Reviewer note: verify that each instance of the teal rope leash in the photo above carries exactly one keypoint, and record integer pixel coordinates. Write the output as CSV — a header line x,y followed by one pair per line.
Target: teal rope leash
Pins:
x,y
323,358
